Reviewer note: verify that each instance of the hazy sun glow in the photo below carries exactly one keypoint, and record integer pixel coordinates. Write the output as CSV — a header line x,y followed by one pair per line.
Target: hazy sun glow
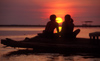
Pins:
x,y
59,20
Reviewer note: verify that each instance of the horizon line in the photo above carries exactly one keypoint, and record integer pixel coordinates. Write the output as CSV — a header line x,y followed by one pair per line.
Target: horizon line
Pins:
x,y
45,25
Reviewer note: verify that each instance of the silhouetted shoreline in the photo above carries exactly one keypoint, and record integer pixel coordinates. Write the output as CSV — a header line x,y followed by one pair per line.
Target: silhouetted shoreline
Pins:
x,y
45,25
22,25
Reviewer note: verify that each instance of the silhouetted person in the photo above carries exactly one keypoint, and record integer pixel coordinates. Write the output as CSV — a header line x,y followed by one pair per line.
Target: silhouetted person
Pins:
x,y
68,27
51,25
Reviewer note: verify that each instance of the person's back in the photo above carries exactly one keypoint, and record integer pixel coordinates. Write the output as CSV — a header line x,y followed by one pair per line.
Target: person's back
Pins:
x,y
51,25
68,27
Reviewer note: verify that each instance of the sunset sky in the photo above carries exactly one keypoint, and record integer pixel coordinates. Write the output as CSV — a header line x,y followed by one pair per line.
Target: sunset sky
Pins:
x,y
37,12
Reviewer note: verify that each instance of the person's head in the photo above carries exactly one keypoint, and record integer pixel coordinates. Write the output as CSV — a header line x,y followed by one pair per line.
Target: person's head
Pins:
x,y
52,17
67,18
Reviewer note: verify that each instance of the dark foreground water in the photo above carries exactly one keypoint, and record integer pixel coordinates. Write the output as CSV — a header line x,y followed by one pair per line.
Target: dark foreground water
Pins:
x,y
21,54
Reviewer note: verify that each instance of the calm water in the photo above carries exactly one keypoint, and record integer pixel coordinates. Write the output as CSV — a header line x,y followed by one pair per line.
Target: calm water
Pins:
x,y
20,54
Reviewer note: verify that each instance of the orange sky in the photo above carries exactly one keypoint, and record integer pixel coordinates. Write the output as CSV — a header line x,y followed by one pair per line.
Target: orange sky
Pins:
x,y
30,12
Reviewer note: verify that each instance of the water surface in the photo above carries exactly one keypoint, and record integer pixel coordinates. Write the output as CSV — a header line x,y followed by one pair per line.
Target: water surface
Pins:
x,y
18,54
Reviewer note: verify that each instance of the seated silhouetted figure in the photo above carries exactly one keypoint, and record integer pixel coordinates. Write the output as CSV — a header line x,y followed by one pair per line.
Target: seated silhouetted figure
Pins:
x,y
68,27
51,25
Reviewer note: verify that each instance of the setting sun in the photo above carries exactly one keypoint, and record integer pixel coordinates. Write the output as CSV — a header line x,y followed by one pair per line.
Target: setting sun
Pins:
x,y
59,20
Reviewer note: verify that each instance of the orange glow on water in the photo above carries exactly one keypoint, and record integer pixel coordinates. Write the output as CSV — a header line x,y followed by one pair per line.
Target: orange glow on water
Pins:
x,y
59,20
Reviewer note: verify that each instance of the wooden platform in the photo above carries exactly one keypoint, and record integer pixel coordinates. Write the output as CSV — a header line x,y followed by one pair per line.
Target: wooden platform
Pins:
x,y
58,43
94,35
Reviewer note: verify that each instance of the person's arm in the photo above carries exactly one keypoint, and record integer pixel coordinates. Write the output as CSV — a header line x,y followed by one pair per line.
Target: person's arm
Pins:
x,y
57,28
